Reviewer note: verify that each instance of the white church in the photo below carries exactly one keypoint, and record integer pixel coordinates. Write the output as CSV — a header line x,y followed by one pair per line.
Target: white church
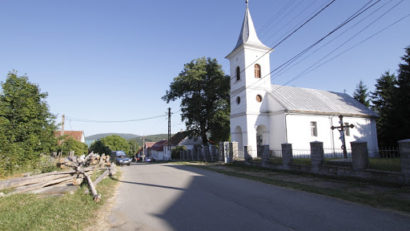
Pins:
x,y
266,114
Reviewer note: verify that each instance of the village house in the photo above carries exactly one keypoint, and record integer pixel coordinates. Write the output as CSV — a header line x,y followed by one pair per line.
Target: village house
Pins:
x,y
76,135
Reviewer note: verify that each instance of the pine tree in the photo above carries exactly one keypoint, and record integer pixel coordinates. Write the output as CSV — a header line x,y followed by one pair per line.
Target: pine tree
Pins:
x,y
382,103
402,98
361,94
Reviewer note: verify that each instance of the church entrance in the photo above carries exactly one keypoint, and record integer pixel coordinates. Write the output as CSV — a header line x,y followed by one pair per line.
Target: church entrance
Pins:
x,y
260,139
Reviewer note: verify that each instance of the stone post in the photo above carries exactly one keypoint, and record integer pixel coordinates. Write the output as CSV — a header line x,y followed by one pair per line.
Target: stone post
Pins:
x,y
227,153
194,153
360,155
206,154
233,150
316,155
246,152
287,155
404,150
214,153
190,155
221,151
265,155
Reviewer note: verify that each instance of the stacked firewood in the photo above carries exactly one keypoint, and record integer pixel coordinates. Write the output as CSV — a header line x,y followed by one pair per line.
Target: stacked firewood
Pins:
x,y
79,170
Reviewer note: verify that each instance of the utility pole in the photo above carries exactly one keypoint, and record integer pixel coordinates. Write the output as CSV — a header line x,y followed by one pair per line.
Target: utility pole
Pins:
x,y
62,124
341,129
169,128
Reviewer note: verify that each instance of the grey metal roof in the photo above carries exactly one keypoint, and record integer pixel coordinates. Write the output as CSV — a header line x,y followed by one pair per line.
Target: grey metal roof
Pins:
x,y
305,100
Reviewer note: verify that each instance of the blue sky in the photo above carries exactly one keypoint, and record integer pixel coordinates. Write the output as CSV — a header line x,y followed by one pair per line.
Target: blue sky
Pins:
x,y
113,60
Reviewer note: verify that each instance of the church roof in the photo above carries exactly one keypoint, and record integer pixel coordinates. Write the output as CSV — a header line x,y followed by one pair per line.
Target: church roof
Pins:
x,y
248,35
312,101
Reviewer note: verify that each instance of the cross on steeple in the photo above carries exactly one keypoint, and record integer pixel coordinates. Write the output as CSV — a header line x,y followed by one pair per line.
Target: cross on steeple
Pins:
x,y
246,1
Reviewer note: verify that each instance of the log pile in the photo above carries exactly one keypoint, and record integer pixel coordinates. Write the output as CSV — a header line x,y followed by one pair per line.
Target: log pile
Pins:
x,y
79,170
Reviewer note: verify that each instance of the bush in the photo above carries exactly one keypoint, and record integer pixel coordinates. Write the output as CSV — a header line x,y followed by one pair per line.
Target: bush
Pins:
x,y
176,152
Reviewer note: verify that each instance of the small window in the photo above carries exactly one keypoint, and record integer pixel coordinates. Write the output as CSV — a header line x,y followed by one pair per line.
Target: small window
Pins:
x,y
347,129
313,128
238,73
259,98
257,71
238,100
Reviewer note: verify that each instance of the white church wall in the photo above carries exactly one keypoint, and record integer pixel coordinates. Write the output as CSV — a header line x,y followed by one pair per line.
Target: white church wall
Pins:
x,y
277,133
299,132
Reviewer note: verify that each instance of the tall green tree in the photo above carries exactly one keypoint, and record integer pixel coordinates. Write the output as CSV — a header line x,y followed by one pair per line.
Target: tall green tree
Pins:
x,y
110,143
26,125
361,94
402,98
203,89
382,99
70,144
134,147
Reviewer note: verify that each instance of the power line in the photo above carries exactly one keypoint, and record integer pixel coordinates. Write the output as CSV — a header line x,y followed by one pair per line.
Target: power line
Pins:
x,y
117,121
289,35
363,9
282,71
352,17
317,65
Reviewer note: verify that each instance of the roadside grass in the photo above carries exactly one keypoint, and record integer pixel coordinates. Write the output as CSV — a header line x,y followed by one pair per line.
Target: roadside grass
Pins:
x,y
390,199
385,164
68,212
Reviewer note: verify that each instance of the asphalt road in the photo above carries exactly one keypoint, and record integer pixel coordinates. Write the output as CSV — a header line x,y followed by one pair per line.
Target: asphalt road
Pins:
x,y
173,197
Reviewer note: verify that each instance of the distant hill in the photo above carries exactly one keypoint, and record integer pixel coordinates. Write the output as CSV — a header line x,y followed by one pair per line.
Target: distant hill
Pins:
x,y
102,135
151,138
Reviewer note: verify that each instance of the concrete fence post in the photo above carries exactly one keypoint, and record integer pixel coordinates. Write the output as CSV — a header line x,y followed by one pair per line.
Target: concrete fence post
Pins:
x,y
360,155
214,153
206,153
233,150
221,153
287,155
190,155
265,155
404,150
247,150
227,153
316,155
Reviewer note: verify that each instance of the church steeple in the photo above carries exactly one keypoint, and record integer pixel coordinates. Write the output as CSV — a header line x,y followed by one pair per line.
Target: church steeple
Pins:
x,y
248,35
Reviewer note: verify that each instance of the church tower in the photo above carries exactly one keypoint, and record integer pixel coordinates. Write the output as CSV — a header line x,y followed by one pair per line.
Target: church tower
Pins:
x,y
250,82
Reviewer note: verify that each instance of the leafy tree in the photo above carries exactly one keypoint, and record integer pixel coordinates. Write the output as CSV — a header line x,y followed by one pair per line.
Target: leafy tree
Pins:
x,y
203,89
110,143
26,125
383,102
69,144
361,94
99,147
402,99
134,147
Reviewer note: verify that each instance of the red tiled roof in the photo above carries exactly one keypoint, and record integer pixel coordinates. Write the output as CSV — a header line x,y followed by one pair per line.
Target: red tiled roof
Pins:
x,y
76,135
159,146
178,137
149,144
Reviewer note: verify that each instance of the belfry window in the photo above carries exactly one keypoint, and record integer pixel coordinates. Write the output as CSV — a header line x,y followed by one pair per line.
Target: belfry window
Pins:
x,y
238,100
257,71
238,73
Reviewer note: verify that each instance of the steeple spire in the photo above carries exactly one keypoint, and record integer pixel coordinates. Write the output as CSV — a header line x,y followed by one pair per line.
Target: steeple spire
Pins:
x,y
248,34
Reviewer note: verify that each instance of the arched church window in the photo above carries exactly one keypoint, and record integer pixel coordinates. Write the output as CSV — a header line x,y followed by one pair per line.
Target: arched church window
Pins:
x,y
257,71
238,100
259,98
238,73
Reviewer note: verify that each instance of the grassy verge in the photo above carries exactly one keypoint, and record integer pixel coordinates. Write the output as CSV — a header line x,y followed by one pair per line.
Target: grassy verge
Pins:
x,y
382,199
385,164
68,212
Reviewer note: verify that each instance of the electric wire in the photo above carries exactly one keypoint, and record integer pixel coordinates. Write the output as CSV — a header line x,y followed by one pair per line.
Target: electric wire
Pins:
x,y
363,9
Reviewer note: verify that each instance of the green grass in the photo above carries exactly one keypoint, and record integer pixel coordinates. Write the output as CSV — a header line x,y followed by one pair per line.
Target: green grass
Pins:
x,y
377,199
68,212
385,164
